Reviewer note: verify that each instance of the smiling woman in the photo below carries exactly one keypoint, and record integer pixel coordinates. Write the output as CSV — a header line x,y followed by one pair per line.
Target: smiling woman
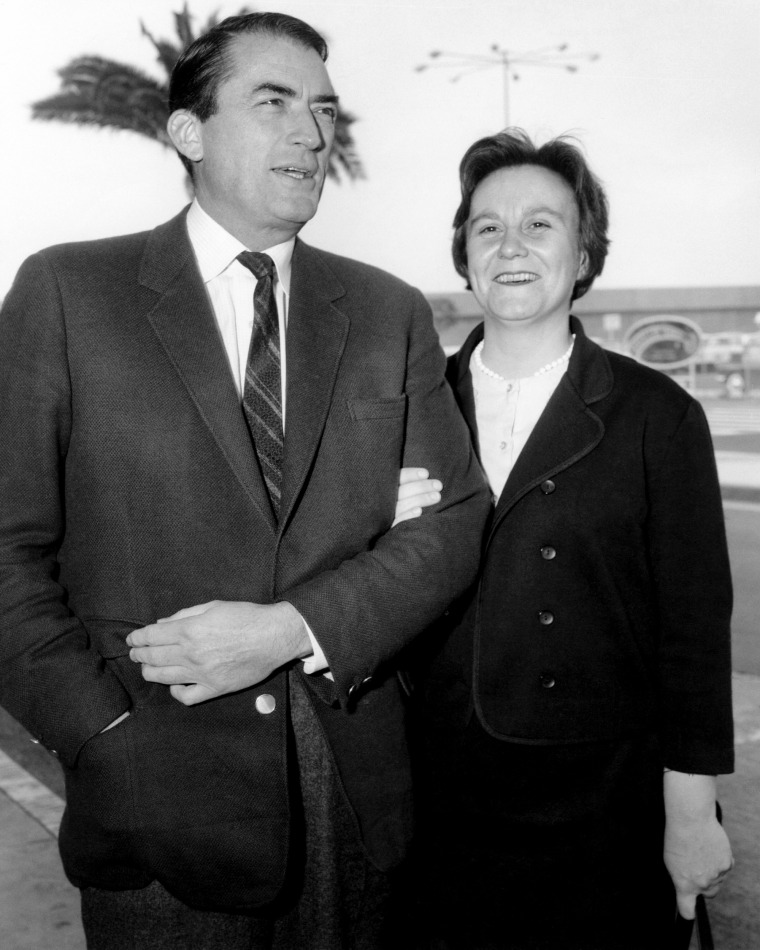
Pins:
x,y
579,706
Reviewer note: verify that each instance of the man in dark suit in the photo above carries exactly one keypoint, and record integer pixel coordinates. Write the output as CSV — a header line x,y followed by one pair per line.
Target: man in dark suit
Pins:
x,y
203,618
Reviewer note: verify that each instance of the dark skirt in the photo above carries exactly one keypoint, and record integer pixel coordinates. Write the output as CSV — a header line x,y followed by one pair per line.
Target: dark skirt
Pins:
x,y
542,847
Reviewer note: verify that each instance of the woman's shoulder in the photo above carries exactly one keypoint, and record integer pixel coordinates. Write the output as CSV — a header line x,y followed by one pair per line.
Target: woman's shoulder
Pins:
x,y
632,376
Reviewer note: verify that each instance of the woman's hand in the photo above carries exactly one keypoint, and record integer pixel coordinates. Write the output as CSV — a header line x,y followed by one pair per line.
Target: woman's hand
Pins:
x,y
697,851
416,490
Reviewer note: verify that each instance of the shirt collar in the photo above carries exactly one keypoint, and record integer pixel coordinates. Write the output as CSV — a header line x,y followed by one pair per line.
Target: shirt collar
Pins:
x,y
215,248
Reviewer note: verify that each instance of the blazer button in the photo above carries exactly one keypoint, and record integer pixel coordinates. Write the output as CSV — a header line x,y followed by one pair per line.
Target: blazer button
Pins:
x,y
548,486
265,704
548,553
547,680
545,617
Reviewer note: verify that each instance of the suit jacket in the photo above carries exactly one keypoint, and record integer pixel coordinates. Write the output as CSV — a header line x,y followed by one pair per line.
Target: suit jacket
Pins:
x,y
604,601
130,489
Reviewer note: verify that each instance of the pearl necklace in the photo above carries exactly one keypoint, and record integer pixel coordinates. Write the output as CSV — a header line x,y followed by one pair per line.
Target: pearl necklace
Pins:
x,y
539,372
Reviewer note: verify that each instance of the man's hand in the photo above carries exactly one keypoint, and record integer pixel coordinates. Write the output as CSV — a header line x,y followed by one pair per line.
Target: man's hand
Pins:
x,y
697,851
211,649
416,491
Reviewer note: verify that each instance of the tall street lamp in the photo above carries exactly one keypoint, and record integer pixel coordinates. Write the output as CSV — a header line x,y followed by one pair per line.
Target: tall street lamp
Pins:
x,y
555,57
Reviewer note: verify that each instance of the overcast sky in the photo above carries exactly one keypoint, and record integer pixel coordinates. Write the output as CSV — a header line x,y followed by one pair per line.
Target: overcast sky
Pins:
x,y
669,116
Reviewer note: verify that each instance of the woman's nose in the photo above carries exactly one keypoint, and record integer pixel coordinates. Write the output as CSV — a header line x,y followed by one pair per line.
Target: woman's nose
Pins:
x,y
511,245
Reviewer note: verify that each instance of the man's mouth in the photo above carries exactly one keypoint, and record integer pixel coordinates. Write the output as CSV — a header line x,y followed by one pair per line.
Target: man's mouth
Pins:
x,y
293,171
522,277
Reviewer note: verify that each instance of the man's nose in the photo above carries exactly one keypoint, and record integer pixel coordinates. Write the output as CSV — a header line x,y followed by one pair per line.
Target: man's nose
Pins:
x,y
306,131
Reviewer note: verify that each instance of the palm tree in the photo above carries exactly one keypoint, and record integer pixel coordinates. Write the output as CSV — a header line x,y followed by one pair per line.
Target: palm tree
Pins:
x,y
110,95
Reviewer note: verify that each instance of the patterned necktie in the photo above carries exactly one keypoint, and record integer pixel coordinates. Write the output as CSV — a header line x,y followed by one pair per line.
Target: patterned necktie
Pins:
x,y
262,394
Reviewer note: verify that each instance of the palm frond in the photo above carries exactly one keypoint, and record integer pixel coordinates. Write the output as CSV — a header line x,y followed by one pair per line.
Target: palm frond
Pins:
x,y
344,153
184,28
100,92
168,53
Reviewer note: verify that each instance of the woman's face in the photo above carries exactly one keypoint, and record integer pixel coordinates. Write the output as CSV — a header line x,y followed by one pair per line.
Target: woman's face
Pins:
x,y
523,246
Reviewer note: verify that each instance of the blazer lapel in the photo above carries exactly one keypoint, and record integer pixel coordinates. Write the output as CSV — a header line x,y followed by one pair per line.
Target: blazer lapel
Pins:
x,y
460,380
316,339
568,428
183,321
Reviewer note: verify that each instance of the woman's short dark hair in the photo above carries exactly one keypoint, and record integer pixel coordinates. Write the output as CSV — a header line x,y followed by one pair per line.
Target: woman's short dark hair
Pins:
x,y
206,62
513,147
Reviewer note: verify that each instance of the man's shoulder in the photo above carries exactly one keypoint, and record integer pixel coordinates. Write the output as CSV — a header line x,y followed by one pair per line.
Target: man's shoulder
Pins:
x,y
351,272
105,250
90,251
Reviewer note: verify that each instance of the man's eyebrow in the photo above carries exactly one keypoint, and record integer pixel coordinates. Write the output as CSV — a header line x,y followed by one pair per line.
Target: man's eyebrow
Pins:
x,y
275,88
290,93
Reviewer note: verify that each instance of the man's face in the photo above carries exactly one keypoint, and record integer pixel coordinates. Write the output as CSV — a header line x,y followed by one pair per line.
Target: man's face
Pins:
x,y
264,152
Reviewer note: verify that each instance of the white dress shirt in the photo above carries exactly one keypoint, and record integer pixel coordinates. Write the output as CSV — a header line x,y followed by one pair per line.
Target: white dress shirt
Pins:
x,y
230,288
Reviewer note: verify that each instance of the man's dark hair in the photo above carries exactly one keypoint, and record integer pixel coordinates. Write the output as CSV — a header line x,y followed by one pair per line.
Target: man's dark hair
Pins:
x,y
513,147
206,62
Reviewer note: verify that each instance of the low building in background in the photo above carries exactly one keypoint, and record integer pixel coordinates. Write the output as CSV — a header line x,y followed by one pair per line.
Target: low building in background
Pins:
x,y
727,360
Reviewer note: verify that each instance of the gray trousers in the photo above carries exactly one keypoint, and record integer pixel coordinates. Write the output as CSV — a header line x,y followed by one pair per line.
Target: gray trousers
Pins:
x,y
340,905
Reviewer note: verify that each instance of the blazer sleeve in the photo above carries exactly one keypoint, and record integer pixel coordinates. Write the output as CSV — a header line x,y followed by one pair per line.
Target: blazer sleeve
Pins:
x,y
690,565
50,678
365,611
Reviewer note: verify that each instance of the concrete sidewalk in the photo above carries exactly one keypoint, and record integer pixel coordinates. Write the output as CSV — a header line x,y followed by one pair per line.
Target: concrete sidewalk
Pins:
x,y
39,909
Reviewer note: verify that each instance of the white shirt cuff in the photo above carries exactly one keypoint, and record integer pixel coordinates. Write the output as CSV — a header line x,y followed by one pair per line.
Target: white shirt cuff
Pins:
x,y
317,662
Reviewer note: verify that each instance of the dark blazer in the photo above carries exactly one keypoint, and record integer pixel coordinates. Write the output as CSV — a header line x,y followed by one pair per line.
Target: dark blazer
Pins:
x,y
130,489
605,596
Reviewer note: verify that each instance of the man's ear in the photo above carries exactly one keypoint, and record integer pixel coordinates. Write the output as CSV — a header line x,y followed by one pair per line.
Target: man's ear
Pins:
x,y
184,131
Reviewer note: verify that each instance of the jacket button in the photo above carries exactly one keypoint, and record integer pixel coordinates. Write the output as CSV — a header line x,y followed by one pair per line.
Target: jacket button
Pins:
x,y
265,704
547,680
548,486
545,617
548,553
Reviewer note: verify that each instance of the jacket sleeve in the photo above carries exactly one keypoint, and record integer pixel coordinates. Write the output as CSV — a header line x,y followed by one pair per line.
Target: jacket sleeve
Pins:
x,y
689,560
367,609
50,679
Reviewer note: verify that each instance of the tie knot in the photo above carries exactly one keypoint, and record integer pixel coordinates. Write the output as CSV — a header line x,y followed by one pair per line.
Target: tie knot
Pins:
x,y
260,265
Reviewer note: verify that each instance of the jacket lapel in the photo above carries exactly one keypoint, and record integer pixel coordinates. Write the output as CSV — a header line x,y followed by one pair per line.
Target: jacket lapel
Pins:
x,y
316,338
567,430
183,321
